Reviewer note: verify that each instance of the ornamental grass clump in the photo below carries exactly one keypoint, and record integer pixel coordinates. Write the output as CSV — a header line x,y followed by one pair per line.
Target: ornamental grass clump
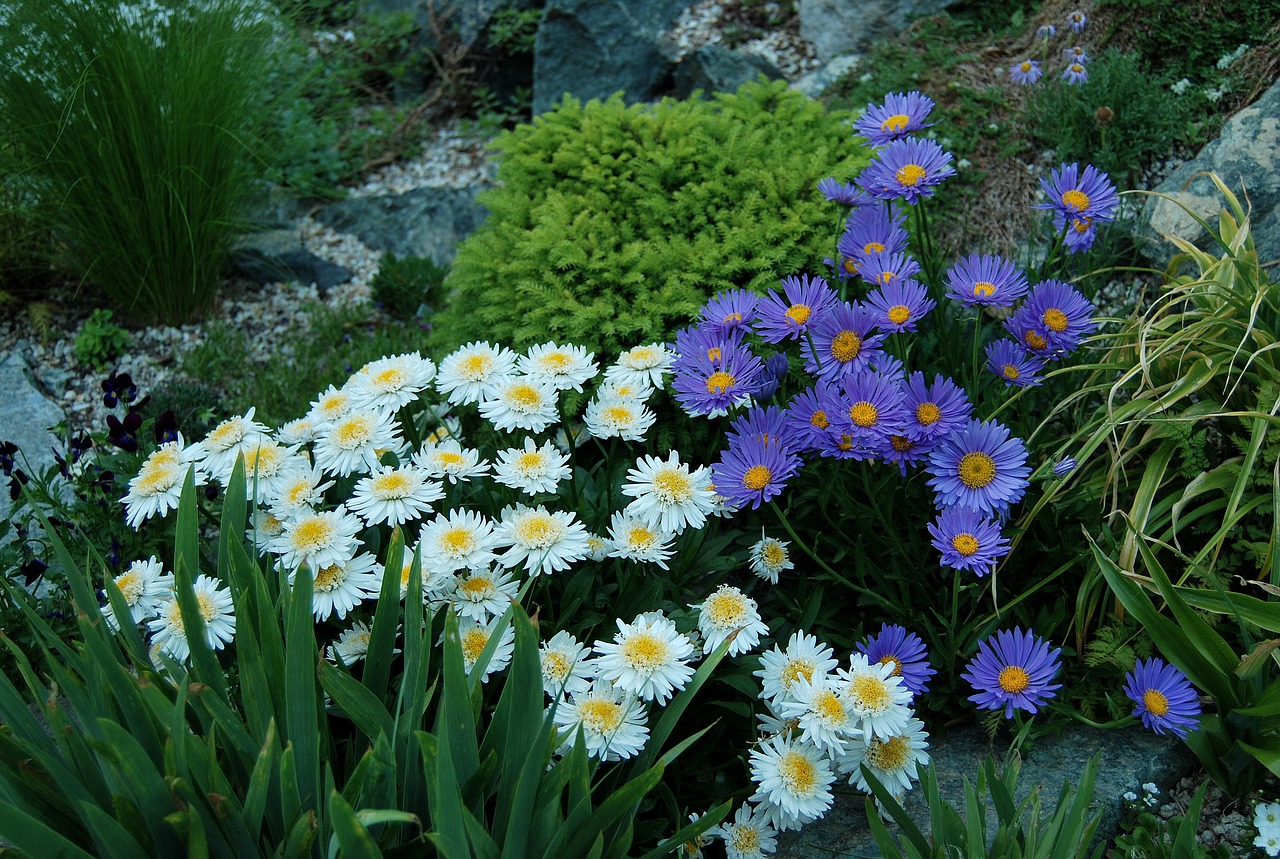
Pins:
x,y
133,125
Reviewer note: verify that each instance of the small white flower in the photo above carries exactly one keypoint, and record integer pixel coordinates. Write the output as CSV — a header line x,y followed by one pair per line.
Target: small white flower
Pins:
x,y
647,657
297,431
482,594
824,716
332,404
472,373
728,610
1268,841
356,442
531,469
804,657
563,367
459,540
265,527
668,494
1266,815
266,462
618,417
341,586
794,782
749,836
154,491
542,540
352,644
876,696
891,759
299,490
631,538
168,632
228,440
617,389
566,668
1130,796
475,638
597,547
450,460
144,586
318,539
646,365
520,402
612,722
390,383
769,557
394,495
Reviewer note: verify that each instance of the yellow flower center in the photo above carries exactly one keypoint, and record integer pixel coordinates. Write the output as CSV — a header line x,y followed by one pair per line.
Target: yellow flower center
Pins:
x,y
774,554
618,415
155,481
1156,702
983,289
600,716
530,461
1034,340
1026,65
1055,320
473,644
895,123
851,265
827,707
726,609
798,314
672,486
354,431
641,538
1075,199
130,585
448,458
714,353
475,367
390,378
555,666
928,414
731,317
886,276
540,530
457,541
798,773
1011,372
329,578
299,492
870,692
333,403
477,588
311,534
524,397
1013,679
644,651
746,839
226,434
911,175
899,314
864,414
794,670
976,470
873,247
965,544
901,443
1081,225
888,755
889,660
845,346
819,420
393,485
720,381
203,602
757,477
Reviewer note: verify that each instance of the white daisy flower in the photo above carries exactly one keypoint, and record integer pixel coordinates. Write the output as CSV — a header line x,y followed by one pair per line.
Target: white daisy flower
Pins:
x,y
169,634
356,442
824,717
631,538
772,724
154,491
436,585
352,644
449,460
542,540
668,495
727,610
318,539
613,723
579,434
475,638
532,469
892,760
264,527
178,453
459,540
616,389
394,495
299,490
297,431
448,428
332,404
563,367
520,402
485,593
879,700
228,440
566,668
341,586
390,383
692,849
794,782
804,657
624,418
597,547
647,657
749,836
266,462
1266,815
144,586
472,373
642,365
769,557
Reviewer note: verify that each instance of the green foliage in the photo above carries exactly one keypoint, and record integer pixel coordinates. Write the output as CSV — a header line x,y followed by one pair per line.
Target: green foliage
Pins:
x,y
402,286
1142,122
100,341
138,138
513,31
1022,828
611,225
1150,837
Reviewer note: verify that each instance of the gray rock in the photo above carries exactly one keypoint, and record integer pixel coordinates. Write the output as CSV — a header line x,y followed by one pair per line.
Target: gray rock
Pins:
x,y
424,222
818,81
1130,757
1245,156
838,27
278,255
715,68
26,417
592,49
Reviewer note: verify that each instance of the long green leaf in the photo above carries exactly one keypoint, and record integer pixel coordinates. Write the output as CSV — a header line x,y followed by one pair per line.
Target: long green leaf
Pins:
x,y
34,838
448,829
355,840
186,566
360,705
300,689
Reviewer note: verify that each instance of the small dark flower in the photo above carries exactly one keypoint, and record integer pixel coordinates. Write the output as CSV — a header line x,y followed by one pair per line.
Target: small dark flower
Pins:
x,y
32,570
166,428
211,491
118,387
124,434
18,481
8,457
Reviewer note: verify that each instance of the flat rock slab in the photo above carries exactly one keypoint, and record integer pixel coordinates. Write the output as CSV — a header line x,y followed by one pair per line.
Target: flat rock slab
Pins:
x,y
424,222
26,419
1130,758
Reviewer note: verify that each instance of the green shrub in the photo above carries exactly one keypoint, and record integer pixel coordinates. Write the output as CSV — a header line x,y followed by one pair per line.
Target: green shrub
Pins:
x,y
611,225
1122,118
136,123
100,341
401,286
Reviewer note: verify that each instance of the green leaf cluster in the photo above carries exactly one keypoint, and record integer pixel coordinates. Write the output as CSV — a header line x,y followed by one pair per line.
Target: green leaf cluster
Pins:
x,y
612,224
401,286
100,341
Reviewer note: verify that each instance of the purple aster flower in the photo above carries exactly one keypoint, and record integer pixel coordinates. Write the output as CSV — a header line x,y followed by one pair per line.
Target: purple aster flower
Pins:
x,y
872,408
732,309
1013,670
808,299
1046,31
899,116
907,170
910,658
1064,466
1163,697
1080,235
809,416
985,281
900,305
891,368
934,411
968,540
1076,54
845,193
873,229
1014,364
842,344
693,342
1076,21
776,367
1053,320
712,385
767,424
1075,74
900,450
982,466
752,472
1026,72
1079,194
882,267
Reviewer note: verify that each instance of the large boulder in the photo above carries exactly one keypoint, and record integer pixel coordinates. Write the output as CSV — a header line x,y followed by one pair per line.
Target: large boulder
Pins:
x,y
1246,156
424,222
838,27
279,255
715,68
592,49
27,417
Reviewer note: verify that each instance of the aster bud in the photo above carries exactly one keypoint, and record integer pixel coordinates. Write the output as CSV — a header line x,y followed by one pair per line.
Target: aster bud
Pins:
x,y
1104,115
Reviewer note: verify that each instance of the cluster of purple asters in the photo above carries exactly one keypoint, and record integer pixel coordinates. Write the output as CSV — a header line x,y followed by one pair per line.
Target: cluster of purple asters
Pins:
x,y
906,167
1079,200
1027,72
